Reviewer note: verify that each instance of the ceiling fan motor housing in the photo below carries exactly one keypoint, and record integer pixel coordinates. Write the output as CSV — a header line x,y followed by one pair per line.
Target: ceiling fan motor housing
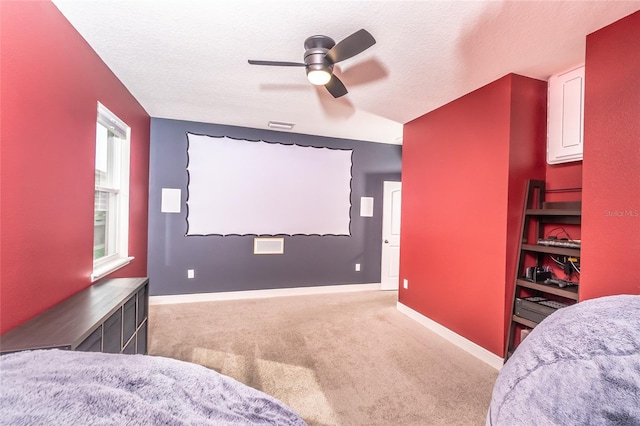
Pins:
x,y
316,48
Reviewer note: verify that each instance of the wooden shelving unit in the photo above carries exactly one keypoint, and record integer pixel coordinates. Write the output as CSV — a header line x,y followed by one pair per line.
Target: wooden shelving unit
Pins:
x,y
538,214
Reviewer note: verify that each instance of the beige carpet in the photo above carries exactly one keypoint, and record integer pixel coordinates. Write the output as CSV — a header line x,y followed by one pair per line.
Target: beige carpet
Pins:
x,y
338,359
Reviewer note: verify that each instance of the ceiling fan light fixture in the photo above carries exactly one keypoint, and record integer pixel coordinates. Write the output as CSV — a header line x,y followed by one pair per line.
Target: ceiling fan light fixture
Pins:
x,y
318,77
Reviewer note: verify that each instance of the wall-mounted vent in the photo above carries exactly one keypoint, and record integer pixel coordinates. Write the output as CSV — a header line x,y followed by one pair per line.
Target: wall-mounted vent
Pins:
x,y
280,125
268,246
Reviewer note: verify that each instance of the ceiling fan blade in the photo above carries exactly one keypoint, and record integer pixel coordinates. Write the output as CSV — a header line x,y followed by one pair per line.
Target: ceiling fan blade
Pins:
x,y
277,63
356,43
336,87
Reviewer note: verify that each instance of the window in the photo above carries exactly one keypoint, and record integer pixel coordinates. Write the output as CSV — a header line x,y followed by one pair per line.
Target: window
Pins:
x,y
111,202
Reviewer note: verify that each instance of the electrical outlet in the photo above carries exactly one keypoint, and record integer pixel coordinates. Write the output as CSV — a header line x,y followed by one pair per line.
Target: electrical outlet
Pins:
x,y
405,284
190,273
357,267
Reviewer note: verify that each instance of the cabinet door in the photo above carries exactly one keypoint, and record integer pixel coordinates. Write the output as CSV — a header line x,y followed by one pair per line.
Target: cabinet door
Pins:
x,y
128,319
93,343
130,349
141,339
142,305
565,117
113,333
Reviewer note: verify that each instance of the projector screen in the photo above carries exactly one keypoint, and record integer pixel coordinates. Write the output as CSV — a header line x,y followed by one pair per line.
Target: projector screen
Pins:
x,y
241,187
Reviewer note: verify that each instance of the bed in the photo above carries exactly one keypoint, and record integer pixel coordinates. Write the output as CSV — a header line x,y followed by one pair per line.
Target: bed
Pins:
x,y
55,387
579,366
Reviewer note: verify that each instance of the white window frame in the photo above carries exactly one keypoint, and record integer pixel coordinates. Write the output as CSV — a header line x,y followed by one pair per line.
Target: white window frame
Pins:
x,y
106,265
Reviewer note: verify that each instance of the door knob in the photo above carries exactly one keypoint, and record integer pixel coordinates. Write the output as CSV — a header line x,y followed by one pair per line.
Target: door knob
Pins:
x,y
386,241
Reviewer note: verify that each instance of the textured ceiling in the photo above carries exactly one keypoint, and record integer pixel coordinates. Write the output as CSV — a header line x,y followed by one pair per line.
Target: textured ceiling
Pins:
x,y
187,59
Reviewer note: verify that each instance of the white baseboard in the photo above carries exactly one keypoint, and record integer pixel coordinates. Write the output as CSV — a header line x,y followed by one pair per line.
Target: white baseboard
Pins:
x,y
474,349
259,294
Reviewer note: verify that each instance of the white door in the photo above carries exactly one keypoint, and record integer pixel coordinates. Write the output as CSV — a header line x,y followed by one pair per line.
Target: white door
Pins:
x,y
391,236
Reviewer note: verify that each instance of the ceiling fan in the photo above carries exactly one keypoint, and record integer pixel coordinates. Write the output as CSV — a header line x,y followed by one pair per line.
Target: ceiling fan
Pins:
x,y
322,53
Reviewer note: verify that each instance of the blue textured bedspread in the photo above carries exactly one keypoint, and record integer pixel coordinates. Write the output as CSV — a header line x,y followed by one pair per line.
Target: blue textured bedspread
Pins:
x,y
580,366
55,387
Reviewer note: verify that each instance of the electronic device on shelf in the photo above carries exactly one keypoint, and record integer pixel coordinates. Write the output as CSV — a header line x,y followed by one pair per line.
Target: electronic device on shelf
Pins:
x,y
560,283
559,242
537,273
536,308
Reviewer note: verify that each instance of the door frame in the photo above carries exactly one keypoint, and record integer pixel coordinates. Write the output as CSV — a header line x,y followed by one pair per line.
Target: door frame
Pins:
x,y
389,187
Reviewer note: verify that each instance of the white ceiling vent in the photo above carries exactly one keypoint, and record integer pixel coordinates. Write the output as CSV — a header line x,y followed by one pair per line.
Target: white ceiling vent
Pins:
x,y
281,125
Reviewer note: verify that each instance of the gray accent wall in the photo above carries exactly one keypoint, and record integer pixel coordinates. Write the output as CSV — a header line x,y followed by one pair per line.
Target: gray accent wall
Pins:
x,y
227,263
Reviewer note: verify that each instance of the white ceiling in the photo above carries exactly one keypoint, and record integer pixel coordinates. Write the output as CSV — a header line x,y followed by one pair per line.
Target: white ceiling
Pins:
x,y
187,59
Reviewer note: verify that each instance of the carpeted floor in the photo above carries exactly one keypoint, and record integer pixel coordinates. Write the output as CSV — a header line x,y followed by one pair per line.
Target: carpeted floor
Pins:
x,y
337,359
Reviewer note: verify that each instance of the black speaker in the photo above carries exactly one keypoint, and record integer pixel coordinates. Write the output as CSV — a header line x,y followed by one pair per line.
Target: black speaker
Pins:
x,y
537,274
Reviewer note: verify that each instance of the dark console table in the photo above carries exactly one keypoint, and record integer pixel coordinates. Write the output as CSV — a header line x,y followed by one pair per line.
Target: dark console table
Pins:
x,y
109,316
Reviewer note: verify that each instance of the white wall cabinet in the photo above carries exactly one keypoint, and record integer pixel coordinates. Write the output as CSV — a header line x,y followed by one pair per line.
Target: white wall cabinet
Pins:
x,y
565,116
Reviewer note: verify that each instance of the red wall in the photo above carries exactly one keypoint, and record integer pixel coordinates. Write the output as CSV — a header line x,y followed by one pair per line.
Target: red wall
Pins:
x,y
527,151
463,175
562,177
51,82
454,176
611,171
